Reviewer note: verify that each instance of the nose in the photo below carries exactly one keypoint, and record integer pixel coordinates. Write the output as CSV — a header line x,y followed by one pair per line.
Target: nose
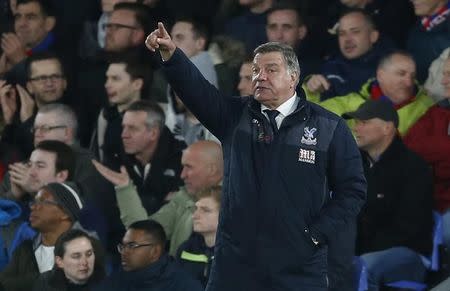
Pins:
x,y
183,174
261,76
240,85
408,81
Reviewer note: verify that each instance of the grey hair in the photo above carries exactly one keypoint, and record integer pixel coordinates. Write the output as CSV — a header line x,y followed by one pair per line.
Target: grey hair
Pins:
x,y
155,114
66,115
289,56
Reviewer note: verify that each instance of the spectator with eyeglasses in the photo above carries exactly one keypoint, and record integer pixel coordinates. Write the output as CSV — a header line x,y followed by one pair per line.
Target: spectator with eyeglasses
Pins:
x,y
125,32
145,264
46,84
58,123
54,210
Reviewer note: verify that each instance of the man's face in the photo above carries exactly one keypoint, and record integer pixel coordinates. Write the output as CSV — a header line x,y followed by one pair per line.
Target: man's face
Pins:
x,y
45,213
136,136
120,88
47,82
78,260
140,257
446,78
42,169
369,133
427,7
31,25
122,31
245,86
184,38
50,126
396,79
196,170
283,26
272,83
206,216
355,36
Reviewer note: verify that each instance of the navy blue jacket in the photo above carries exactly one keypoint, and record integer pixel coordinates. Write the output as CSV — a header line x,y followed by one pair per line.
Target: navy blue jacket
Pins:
x,y
196,257
163,275
426,46
275,188
346,76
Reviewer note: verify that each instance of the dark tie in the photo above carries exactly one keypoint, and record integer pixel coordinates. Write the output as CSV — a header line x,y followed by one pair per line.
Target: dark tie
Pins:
x,y
272,114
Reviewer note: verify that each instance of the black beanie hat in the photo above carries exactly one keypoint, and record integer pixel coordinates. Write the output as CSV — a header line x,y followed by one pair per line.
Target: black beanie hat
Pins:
x,y
66,195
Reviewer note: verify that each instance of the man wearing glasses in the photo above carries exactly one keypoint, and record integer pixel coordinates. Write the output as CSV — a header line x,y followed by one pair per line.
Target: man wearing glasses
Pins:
x,y
46,84
55,209
145,265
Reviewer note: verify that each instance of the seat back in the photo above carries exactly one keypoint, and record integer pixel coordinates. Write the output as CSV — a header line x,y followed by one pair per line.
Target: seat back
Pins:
x,y
360,274
432,262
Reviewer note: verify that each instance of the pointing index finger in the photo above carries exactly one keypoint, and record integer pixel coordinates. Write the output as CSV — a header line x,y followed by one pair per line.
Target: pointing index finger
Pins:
x,y
162,30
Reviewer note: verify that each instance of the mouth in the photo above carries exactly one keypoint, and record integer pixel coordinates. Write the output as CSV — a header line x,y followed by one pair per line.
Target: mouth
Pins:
x,y
111,95
349,47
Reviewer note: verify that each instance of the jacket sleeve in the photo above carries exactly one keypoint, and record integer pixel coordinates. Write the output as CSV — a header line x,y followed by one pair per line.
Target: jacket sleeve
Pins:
x,y
130,204
167,215
346,182
343,104
21,273
215,111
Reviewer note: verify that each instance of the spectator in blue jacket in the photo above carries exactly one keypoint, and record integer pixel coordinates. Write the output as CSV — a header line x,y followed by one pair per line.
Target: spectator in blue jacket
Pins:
x,y
283,156
431,34
359,54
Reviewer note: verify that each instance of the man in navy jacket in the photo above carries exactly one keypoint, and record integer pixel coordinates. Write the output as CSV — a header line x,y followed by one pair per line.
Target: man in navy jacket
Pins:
x,y
276,213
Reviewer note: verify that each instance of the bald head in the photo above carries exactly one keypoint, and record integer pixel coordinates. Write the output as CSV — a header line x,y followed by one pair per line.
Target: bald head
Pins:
x,y
202,166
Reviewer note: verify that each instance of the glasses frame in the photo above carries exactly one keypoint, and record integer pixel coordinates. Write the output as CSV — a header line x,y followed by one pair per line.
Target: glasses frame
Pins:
x,y
45,78
132,246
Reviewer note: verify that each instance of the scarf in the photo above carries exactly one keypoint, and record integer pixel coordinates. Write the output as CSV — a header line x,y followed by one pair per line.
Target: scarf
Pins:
x,y
429,22
377,94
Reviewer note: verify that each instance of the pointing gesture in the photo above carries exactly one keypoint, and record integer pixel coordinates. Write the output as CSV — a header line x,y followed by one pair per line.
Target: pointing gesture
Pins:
x,y
160,39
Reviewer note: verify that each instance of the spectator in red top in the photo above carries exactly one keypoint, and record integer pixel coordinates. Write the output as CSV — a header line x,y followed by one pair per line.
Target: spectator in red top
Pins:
x,y
430,138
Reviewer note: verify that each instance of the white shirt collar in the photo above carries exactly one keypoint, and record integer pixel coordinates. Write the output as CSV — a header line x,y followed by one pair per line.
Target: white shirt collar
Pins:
x,y
286,108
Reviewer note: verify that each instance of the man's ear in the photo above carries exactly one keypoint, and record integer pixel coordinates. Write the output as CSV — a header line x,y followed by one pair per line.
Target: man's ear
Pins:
x,y
156,252
200,44
374,35
49,23
302,32
62,176
138,84
59,262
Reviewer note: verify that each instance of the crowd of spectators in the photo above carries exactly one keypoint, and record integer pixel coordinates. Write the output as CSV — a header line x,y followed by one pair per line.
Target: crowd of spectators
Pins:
x,y
105,171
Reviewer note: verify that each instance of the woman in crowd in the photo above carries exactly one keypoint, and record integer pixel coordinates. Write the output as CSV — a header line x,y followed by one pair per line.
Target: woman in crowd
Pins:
x,y
79,264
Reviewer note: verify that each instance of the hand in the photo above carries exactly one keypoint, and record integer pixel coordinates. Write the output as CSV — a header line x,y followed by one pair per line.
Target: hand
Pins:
x,y
5,66
8,101
26,103
160,39
318,84
117,179
13,48
19,173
